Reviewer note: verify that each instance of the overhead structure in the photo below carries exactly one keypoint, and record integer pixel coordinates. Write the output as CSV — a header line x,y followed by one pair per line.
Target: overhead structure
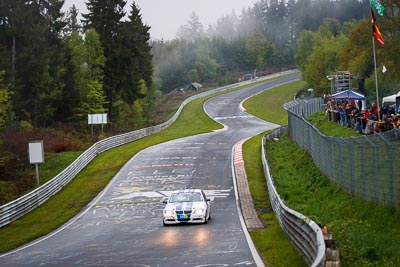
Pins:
x,y
340,81
348,94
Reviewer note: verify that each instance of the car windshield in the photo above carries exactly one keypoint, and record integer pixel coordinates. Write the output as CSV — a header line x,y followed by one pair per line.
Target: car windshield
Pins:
x,y
185,197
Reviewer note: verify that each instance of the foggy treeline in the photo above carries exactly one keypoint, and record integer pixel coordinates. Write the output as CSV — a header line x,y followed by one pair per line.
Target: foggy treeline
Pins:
x,y
57,68
260,37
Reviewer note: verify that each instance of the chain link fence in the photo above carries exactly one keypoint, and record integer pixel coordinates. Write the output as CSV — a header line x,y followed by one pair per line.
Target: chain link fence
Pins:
x,y
364,166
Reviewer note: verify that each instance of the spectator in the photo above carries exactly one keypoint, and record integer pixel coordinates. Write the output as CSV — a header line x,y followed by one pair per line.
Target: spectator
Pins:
x,y
348,111
359,105
374,110
342,114
354,117
384,110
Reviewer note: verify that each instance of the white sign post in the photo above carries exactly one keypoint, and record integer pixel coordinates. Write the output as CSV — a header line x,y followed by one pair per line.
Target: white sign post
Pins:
x,y
97,119
36,156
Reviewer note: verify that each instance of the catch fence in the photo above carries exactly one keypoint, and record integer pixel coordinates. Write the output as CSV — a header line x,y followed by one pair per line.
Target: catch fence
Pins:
x,y
364,165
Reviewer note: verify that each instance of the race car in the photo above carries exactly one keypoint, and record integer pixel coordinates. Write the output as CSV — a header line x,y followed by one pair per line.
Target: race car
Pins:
x,y
187,206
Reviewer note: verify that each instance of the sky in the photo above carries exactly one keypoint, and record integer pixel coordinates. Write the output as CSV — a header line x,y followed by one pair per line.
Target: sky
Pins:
x,y
165,16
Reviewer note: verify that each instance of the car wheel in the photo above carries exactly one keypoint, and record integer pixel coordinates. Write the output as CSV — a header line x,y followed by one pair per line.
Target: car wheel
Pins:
x,y
206,218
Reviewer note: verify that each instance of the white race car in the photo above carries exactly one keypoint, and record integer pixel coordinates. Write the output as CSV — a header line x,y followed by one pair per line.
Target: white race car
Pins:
x,y
187,206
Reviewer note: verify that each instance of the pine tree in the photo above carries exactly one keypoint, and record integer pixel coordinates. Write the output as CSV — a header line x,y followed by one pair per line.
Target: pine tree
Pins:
x,y
135,59
105,17
5,104
86,71
73,24
76,78
193,30
39,60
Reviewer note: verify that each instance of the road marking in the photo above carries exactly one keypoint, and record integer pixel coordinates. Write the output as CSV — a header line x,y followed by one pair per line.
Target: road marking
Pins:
x,y
162,165
212,194
234,117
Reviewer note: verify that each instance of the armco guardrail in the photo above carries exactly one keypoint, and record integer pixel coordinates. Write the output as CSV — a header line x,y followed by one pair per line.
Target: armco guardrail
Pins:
x,y
304,233
21,206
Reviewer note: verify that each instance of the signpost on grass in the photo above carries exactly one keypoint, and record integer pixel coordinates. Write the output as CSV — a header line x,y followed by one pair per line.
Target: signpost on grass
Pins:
x,y
97,119
36,156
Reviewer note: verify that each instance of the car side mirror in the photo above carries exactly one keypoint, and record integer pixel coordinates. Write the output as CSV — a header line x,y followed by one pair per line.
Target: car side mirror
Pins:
x,y
208,199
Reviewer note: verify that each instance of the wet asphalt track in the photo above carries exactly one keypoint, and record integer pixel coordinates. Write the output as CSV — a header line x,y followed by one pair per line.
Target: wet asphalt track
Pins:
x,y
123,227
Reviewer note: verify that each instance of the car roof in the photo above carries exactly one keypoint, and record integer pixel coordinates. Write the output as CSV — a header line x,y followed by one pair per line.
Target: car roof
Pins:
x,y
187,191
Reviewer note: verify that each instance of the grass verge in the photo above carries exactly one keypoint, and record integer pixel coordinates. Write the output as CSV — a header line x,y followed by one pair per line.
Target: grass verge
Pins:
x,y
268,105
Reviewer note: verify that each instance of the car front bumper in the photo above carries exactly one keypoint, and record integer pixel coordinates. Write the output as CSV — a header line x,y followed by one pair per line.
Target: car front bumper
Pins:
x,y
174,219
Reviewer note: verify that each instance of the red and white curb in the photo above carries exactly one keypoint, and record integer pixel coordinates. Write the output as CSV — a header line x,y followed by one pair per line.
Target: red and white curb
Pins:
x,y
237,154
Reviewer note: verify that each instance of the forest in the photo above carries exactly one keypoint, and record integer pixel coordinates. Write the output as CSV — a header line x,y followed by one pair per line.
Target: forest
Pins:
x,y
57,67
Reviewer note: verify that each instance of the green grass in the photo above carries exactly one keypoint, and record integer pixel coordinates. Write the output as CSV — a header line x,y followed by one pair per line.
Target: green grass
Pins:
x,y
268,104
330,128
55,163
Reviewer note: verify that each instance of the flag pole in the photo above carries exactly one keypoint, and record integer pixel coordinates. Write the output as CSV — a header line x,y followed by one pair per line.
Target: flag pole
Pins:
x,y
376,79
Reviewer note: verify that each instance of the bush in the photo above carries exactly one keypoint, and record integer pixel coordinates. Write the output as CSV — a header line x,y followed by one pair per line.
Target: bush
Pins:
x,y
25,126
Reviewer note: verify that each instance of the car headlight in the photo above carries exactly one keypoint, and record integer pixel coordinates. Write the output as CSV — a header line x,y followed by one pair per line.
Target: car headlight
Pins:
x,y
169,212
198,212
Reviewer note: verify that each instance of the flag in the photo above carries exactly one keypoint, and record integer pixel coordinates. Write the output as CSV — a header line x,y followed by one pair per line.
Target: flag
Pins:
x,y
378,6
384,69
377,34
375,30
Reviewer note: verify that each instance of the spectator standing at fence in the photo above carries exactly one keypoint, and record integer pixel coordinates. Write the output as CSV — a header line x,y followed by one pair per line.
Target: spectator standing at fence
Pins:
x,y
342,113
348,111
373,114
384,110
359,105
386,122
354,118
329,110
360,124
375,110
